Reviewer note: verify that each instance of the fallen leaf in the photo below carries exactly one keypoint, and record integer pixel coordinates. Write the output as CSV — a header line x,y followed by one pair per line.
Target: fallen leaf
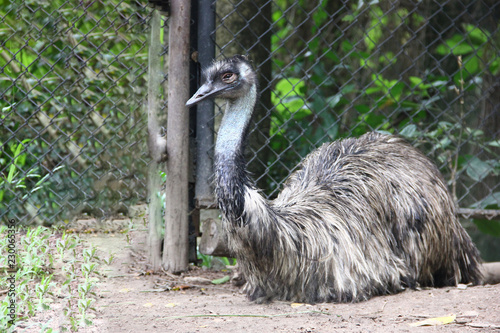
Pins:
x,y
221,280
296,305
180,287
170,305
435,321
148,305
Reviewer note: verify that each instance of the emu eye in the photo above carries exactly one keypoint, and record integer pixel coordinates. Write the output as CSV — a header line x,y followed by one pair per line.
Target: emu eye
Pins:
x,y
229,77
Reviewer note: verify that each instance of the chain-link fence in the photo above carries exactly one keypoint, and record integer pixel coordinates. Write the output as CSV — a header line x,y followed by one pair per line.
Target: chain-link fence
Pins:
x,y
73,86
428,70
72,89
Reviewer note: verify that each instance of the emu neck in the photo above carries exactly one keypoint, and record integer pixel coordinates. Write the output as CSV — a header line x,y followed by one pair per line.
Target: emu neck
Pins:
x,y
234,126
232,179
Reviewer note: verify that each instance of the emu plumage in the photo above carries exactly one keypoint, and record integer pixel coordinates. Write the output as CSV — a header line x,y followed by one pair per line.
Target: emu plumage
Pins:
x,y
359,217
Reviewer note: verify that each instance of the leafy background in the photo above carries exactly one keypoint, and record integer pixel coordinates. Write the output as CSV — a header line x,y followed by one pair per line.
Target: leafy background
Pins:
x,y
429,71
72,90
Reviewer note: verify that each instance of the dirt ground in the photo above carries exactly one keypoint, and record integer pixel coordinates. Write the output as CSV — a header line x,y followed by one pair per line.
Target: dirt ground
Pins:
x,y
132,301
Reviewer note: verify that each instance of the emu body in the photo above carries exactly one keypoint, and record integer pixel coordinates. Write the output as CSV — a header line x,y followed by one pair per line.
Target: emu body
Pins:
x,y
359,218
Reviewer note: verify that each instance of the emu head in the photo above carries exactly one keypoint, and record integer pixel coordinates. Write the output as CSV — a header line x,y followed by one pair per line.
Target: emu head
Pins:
x,y
227,79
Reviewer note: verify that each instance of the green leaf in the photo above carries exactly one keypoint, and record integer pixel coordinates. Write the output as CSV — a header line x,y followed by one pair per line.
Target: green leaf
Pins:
x,y
492,201
439,83
333,131
462,48
348,88
383,132
221,280
455,45
397,90
332,56
478,169
415,81
495,143
491,227
444,143
476,35
319,17
289,87
334,100
346,46
476,133
409,106
373,90
362,108
348,18
495,66
448,45
8,108
302,113
374,120
472,65
442,49
409,131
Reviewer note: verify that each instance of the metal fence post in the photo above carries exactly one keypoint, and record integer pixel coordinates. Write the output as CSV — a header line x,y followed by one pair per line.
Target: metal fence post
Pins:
x,y
205,110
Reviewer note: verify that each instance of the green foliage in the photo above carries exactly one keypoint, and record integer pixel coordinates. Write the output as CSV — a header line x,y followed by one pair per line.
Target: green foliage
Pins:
x,y
222,280
23,178
491,201
207,260
73,81
479,53
43,256
354,78
445,140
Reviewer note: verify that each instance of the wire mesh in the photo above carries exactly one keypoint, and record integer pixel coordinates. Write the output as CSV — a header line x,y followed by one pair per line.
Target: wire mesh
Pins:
x,y
72,88
427,70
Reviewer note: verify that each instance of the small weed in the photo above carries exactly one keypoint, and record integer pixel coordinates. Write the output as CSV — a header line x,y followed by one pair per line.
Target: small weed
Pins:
x,y
207,260
49,267
109,260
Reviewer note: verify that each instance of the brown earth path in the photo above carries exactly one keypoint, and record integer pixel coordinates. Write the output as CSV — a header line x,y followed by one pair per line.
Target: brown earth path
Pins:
x,y
130,301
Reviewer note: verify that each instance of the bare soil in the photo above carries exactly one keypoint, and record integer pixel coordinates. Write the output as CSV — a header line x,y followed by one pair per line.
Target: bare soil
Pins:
x,y
132,300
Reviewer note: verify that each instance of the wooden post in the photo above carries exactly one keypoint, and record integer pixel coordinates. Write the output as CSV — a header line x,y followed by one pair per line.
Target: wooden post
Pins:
x,y
156,144
175,250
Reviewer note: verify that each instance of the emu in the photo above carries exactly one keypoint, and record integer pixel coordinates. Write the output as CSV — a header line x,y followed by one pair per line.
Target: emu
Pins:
x,y
358,218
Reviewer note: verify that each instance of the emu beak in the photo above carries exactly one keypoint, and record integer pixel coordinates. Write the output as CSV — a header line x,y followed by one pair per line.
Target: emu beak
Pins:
x,y
206,91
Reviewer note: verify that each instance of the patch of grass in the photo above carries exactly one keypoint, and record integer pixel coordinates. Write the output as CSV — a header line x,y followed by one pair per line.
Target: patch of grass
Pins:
x,y
208,260
53,270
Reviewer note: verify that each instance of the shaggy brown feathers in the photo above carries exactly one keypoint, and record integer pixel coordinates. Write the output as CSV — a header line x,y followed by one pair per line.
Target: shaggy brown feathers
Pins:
x,y
360,217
